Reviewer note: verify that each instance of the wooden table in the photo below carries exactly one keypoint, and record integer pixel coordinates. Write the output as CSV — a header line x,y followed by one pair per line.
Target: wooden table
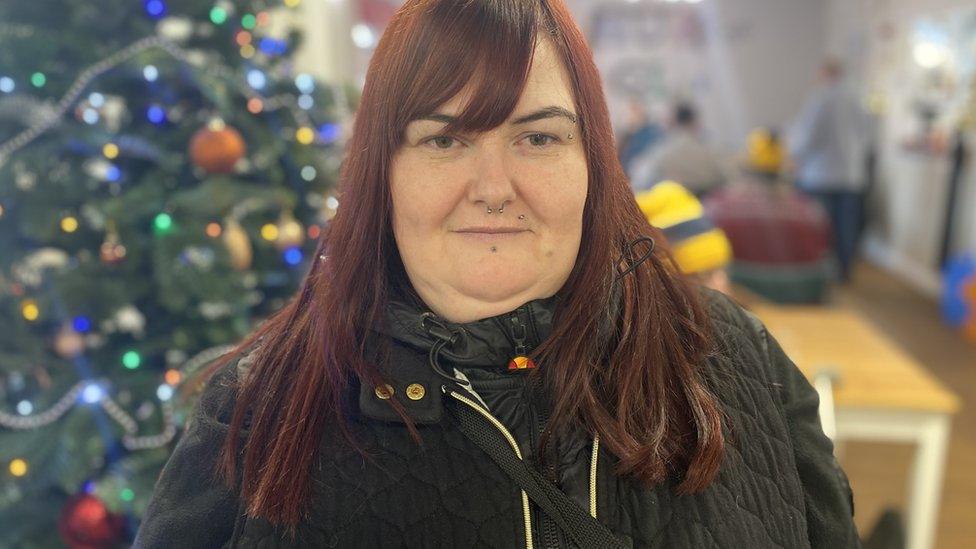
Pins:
x,y
880,393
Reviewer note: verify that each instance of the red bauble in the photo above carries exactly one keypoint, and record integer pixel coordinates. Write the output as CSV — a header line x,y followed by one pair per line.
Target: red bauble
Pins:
x,y
85,523
217,148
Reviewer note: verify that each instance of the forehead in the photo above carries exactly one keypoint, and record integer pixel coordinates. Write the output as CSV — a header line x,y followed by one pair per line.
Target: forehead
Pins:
x,y
547,84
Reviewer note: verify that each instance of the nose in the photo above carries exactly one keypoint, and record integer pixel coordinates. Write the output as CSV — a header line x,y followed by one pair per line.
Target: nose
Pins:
x,y
492,184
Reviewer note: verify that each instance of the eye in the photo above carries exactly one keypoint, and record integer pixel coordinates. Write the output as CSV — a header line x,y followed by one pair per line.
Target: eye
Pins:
x,y
541,139
441,142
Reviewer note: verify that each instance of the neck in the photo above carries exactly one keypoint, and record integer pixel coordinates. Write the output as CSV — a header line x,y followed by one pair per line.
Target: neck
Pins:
x,y
488,341
461,308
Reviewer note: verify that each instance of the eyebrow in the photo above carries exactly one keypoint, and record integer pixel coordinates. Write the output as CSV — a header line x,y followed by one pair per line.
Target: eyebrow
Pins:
x,y
541,114
548,112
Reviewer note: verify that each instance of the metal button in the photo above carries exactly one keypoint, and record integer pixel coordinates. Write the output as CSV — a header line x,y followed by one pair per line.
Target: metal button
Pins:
x,y
384,392
416,391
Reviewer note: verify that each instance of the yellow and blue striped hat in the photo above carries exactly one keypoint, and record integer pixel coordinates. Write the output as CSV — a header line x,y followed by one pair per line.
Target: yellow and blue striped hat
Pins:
x,y
697,245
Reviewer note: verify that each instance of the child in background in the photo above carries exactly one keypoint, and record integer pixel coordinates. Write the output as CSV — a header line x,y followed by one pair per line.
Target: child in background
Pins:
x,y
701,250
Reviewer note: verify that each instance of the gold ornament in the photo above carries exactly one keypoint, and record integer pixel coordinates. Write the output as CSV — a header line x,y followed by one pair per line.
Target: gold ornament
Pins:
x,y
290,231
238,245
68,343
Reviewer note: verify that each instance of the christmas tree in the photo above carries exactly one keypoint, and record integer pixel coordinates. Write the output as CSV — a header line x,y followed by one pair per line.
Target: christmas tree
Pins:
x,y
164,173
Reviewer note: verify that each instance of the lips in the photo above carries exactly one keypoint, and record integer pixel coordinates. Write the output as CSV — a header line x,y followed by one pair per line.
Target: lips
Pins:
x,y
491,230
490,233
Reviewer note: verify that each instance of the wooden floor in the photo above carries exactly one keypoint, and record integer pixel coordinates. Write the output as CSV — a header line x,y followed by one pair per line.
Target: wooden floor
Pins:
x,y
878,472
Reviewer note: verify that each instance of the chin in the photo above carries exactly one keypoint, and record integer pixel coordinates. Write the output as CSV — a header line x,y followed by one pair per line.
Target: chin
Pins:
x,y
516,275
495,289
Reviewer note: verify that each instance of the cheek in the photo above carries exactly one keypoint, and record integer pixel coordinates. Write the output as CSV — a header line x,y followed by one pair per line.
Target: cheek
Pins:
x,y
559,196
422,199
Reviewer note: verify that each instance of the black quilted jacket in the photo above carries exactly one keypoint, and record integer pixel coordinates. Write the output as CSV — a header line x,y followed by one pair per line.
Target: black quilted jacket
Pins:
x,y
779,485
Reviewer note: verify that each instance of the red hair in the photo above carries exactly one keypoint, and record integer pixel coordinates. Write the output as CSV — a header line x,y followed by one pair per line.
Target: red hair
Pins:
x,y
637,386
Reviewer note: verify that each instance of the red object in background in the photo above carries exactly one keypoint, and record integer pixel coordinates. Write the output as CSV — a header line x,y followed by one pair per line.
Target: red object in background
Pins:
x,y
86,523
377,13
770,225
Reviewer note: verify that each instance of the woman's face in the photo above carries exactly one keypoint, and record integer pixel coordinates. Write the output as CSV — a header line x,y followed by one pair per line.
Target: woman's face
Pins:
x,y
464,262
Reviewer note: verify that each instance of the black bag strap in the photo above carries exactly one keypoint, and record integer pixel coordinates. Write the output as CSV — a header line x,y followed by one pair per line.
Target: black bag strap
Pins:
x,y
581,527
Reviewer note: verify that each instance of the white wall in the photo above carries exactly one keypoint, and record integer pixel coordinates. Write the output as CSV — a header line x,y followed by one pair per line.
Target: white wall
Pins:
x,y
774,47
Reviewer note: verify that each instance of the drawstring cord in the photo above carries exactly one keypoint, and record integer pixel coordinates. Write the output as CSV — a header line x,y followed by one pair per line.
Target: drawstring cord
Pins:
x,y
443,336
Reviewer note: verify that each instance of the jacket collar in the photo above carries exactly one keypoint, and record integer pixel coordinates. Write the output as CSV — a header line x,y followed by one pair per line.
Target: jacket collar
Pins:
x,y
413,331
487,343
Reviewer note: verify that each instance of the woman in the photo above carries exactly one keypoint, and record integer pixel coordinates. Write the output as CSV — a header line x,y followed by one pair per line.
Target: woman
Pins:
x,y
490,350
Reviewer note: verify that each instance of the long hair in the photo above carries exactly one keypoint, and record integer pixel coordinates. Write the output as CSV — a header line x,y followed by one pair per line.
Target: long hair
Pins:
x,y
637,386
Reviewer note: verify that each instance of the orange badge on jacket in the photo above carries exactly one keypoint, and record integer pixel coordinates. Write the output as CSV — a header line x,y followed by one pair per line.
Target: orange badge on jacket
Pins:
x,y
521,363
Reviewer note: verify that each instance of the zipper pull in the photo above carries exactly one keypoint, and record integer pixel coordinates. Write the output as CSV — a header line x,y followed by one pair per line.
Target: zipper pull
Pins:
x,y
518,333
521,361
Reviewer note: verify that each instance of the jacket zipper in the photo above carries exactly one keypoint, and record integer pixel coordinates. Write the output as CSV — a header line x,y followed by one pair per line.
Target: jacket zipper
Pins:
x,y
519,333
593,464
547,528
527,516
548,531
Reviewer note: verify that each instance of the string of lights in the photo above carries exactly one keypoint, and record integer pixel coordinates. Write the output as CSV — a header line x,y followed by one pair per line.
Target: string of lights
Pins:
x,y
256,103
93,392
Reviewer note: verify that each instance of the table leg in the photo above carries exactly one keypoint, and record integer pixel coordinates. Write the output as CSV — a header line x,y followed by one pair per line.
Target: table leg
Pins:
x,y
929,431
925,482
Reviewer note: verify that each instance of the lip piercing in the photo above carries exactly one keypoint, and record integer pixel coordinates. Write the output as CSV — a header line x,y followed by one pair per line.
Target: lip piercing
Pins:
x,y
521,217
489,211
493,249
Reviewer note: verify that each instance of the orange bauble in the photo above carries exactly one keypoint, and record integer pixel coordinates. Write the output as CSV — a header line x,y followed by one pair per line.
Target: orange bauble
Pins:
x,y
217,148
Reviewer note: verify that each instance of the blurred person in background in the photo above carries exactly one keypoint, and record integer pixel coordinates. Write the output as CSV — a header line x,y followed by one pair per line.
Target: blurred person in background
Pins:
x,y
701,250
683,157
780,237
489,351
829,143
641,135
